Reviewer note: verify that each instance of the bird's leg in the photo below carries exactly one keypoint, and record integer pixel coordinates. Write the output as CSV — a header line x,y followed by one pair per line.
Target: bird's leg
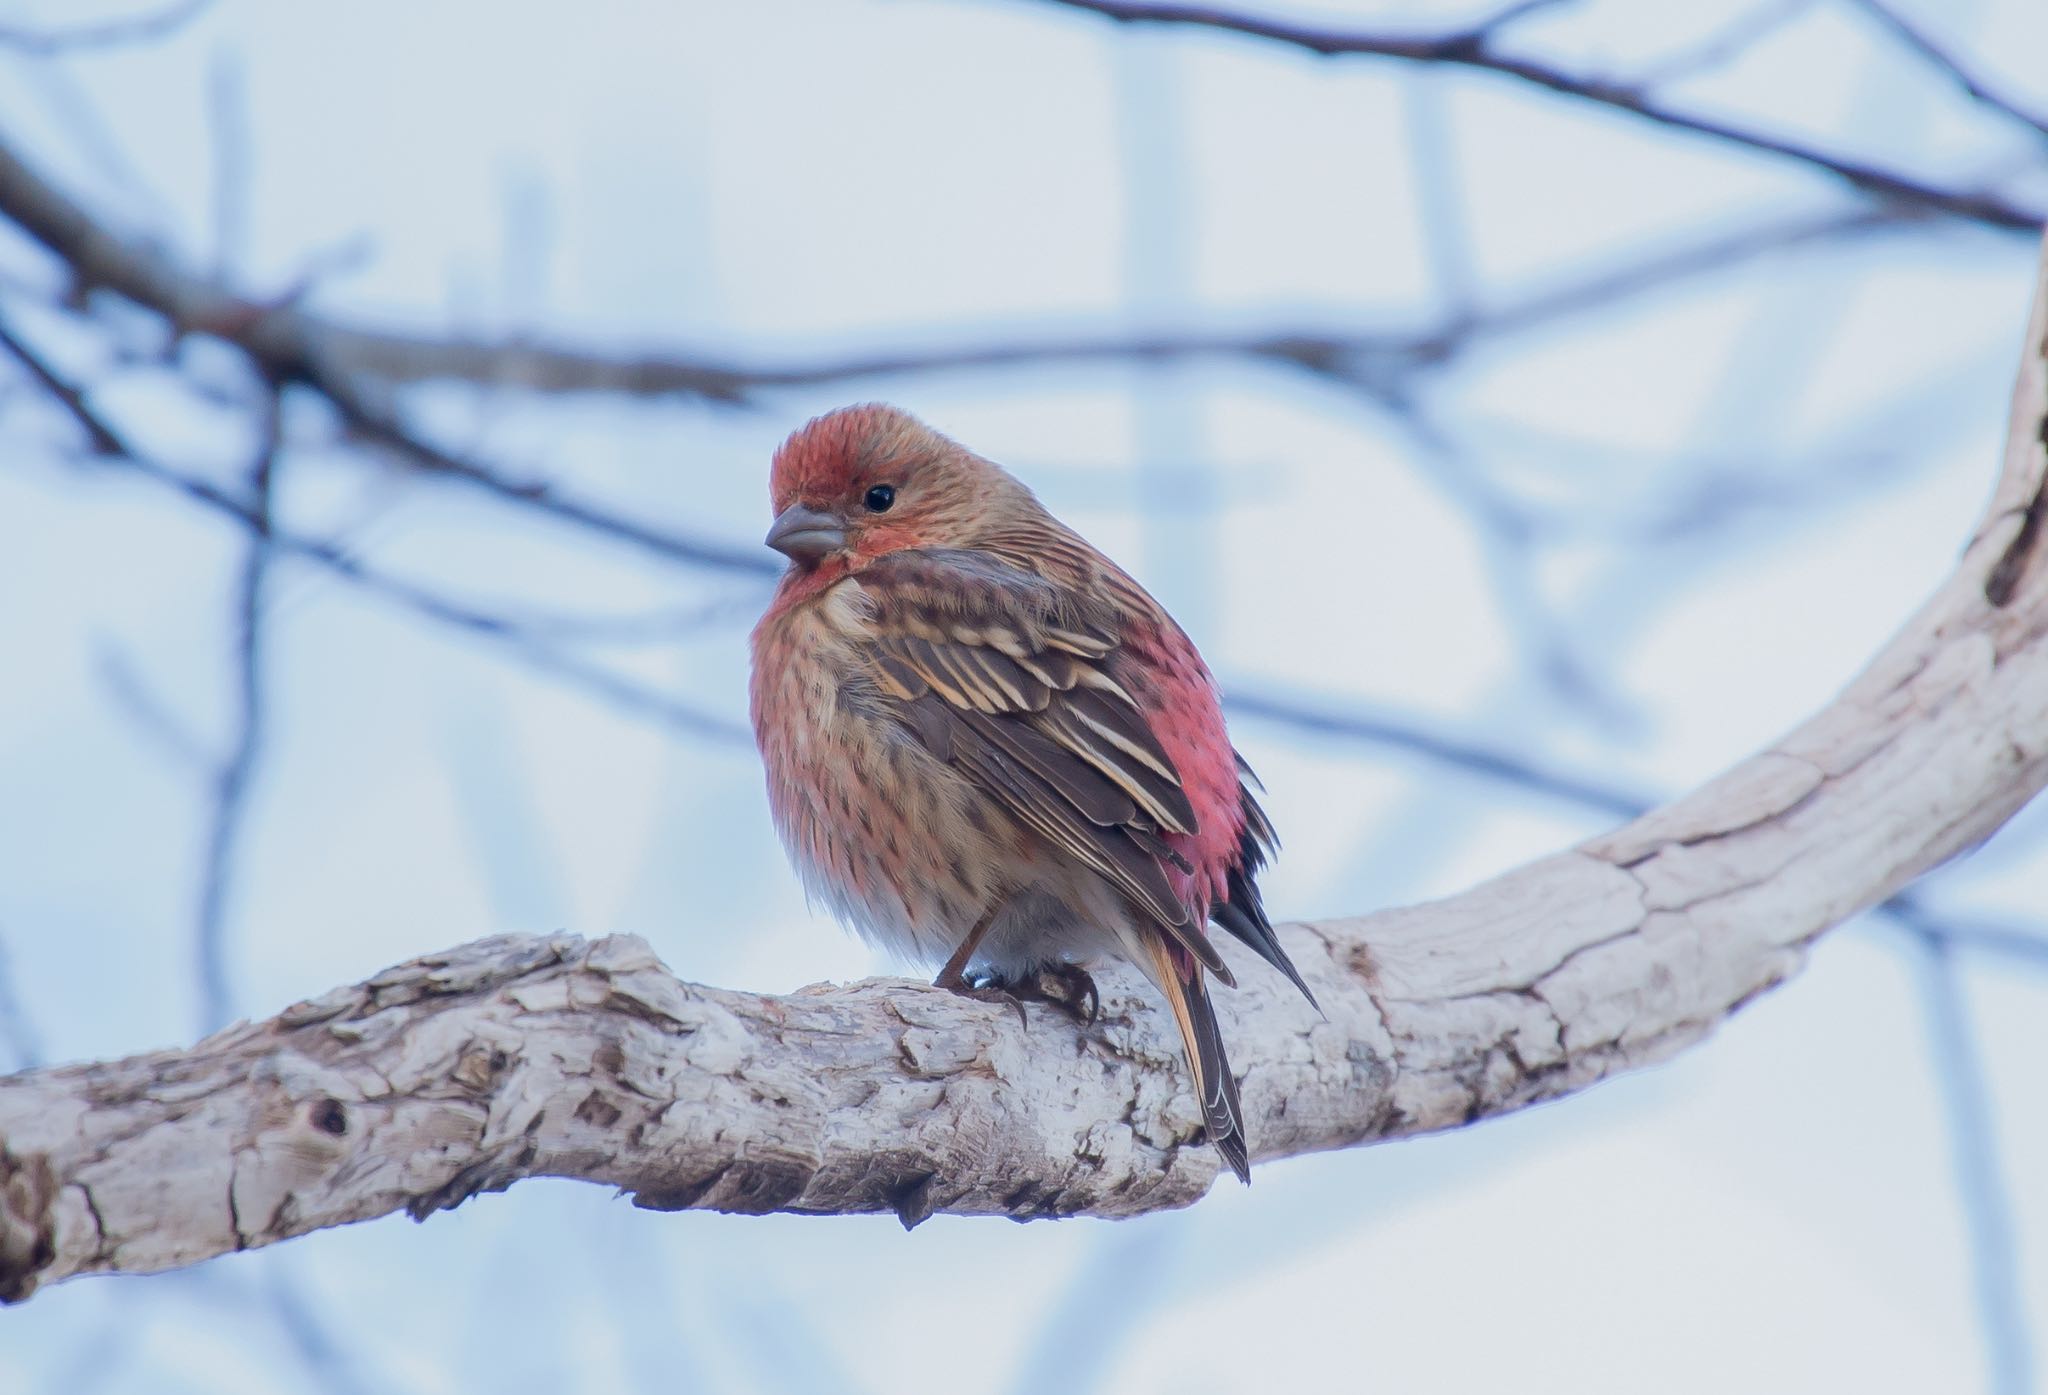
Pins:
x,y
953,977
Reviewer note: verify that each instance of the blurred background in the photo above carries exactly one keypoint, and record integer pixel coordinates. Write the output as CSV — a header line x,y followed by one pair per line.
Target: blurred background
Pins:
x,y
1529,412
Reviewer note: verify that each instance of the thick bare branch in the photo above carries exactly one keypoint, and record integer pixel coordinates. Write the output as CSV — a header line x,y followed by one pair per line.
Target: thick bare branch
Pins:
x,y
514,1057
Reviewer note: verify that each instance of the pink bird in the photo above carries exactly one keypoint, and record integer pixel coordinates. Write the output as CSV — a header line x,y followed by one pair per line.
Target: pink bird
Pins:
x,y
988,747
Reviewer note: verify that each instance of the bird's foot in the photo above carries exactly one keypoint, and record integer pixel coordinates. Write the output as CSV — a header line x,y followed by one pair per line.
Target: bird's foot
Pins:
x,y
1068,987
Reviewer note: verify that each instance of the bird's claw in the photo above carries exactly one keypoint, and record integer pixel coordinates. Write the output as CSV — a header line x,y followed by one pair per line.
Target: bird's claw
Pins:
x,y
990,992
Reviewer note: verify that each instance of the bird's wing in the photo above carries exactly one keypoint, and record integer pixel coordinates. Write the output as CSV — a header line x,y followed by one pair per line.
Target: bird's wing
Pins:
x,y
999,674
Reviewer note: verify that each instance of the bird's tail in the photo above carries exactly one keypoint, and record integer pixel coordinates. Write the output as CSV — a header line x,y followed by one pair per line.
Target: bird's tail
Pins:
x,y
1180,979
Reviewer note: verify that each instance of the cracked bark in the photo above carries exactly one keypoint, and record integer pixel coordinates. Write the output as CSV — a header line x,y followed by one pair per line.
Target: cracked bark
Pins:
x,y
521,1057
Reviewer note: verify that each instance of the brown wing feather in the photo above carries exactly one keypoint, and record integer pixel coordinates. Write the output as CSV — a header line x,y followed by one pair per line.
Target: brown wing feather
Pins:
x,y
1002,680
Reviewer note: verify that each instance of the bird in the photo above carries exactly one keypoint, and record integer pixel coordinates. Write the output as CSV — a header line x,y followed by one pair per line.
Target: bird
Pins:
x,y
987,747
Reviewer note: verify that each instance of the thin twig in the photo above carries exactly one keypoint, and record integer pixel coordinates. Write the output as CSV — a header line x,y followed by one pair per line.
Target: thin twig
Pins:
x,y
1381,730
337,359
130,691
287,347
1376,361
17,1027
1472,48
1406,735
103,438
382,427
114,33
337,561
2014,942
1724,45
237,768
332,1362
658,626
1945,62
249,719
1981,1188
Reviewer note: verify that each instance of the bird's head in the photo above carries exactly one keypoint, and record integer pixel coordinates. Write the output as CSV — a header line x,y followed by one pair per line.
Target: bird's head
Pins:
x,y
865,481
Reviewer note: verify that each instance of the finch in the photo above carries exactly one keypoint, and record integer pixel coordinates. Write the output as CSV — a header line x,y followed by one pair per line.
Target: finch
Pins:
x,y
988,748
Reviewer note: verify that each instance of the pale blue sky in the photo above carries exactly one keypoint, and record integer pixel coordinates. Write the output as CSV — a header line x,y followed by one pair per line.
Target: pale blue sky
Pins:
x,y
1775,1211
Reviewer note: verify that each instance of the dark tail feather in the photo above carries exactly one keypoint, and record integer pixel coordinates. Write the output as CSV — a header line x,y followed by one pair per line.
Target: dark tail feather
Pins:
x,y
1180,979
1244,915
1220,1103
1241,912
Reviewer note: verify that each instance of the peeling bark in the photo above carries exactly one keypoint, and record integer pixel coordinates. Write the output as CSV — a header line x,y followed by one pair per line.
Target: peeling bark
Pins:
x,y
520,1057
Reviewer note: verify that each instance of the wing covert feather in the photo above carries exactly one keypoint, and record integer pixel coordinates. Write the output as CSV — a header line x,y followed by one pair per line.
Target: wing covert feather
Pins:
x,y
1008,680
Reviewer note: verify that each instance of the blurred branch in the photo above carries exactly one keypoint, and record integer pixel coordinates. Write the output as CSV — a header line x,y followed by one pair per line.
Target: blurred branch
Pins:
x,y
1730,42
529,640
2017,942
1373,360
662,625
102,437
142,28
1473,48
1511,532
1402,734
232,775
332,1363
285,344
1945,62
520,1057
288,346
296,345
130,691
1987,1203
1406,736
527,643
532,649
17,1028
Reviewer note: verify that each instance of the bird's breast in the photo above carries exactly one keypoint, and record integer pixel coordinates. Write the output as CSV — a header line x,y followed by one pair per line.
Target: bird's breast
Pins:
x,y
887,836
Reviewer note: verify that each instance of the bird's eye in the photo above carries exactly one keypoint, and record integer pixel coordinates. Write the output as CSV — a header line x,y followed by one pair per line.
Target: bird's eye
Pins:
x,y
880,498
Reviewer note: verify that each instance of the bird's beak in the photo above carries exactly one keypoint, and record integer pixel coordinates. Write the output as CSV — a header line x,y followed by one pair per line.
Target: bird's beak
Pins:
x,y
805,534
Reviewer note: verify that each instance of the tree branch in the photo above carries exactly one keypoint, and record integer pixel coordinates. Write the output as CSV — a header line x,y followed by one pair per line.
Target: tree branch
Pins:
x,y
1473,48
249,727
288,346
529,644
132,30
1987,1201
519,1057
1945,62
339,359
1374,360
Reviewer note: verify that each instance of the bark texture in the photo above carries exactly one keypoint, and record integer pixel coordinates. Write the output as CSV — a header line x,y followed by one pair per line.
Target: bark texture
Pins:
x,y
520,1057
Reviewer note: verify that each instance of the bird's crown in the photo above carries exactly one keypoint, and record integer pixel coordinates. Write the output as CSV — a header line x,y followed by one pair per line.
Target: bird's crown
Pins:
x,y
827,456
